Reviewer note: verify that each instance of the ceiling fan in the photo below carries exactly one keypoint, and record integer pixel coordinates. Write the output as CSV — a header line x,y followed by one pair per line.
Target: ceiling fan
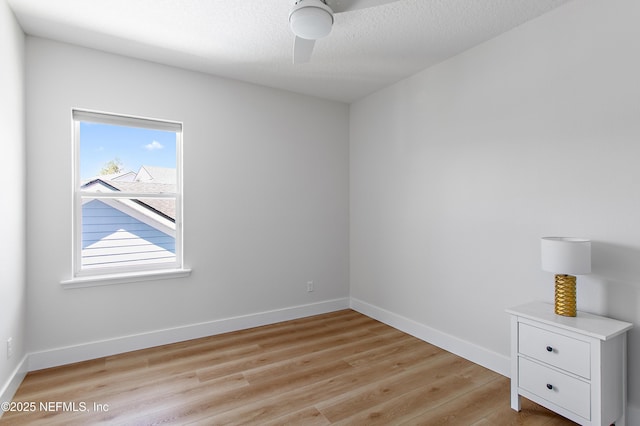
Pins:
x,y
311,20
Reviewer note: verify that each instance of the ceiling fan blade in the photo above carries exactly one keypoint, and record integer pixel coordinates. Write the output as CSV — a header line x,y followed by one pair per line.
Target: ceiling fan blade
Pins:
x,y
346,5
302,49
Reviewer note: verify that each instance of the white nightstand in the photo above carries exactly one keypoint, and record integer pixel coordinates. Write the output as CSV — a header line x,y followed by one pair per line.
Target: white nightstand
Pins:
x,y
575,366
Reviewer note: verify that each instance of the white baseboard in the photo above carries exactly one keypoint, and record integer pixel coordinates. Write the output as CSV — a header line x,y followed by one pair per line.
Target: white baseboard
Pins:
x,y
477,354
10,388
98,349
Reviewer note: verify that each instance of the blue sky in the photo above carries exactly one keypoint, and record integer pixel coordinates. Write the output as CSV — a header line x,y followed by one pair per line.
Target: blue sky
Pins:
x,y
133,146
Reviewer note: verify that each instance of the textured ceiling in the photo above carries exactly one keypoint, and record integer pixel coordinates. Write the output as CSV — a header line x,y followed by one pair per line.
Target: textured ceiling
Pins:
x,y
250,40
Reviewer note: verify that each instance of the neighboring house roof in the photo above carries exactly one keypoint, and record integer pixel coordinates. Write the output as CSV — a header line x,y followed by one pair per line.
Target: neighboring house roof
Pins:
x,y
148,179
151,174
124,177
164,206
161,206
121,176
156,174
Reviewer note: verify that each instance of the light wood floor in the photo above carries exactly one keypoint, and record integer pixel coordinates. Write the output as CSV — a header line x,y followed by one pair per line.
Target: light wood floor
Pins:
x,y
340,368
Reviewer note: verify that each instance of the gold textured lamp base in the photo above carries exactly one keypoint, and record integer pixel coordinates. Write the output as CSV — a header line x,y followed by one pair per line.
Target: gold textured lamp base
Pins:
x,y
565,301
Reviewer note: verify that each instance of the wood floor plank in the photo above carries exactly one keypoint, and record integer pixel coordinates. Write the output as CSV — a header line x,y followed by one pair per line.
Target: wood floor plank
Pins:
x,y
479,402
335,368
314,394
428,394
531,414
277,355
393,386
307,417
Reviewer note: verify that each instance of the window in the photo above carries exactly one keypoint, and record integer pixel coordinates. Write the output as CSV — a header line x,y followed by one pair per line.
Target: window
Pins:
x,y
127,195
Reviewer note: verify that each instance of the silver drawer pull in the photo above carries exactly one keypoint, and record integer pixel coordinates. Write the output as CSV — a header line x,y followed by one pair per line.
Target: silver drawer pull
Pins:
x,y
549,386
549,349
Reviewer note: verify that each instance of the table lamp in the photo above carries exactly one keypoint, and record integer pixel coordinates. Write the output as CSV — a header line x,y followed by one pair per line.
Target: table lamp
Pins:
x,y
566,257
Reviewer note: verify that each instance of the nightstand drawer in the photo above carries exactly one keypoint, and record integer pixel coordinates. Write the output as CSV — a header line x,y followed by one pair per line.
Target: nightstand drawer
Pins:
x,y
560,389
555,349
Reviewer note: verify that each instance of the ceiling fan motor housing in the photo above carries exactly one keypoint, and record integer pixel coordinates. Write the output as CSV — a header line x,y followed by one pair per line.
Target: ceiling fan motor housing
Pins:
x,y
311,19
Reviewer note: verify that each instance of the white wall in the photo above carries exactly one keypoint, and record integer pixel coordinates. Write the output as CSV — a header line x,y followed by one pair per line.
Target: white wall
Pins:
x,y
458,171
266,199
12,207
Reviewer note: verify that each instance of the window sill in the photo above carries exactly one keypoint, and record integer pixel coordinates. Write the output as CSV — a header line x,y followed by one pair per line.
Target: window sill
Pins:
x,y
128,277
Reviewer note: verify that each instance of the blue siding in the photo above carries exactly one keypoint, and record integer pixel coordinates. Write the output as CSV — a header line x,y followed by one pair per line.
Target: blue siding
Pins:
x,y
112,238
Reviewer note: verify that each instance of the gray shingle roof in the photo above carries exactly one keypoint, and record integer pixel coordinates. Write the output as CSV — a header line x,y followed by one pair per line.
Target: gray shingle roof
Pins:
x,y
164,206
148,180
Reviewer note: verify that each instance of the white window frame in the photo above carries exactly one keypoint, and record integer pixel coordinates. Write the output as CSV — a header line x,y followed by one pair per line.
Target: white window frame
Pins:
x,y
83,277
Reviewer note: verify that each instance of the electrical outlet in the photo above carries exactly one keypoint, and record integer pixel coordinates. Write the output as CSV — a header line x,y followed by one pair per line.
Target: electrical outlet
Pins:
x,y
9,347
309,286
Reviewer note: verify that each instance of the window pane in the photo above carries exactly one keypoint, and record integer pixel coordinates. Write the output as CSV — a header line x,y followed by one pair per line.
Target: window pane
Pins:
x,y
127,232
122,158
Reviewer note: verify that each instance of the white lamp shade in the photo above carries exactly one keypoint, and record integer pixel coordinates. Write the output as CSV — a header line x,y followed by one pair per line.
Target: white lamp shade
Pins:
x,y
566,255
312,21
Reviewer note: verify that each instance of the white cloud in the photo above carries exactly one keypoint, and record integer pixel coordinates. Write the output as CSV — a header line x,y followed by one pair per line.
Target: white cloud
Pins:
x,y
153,146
